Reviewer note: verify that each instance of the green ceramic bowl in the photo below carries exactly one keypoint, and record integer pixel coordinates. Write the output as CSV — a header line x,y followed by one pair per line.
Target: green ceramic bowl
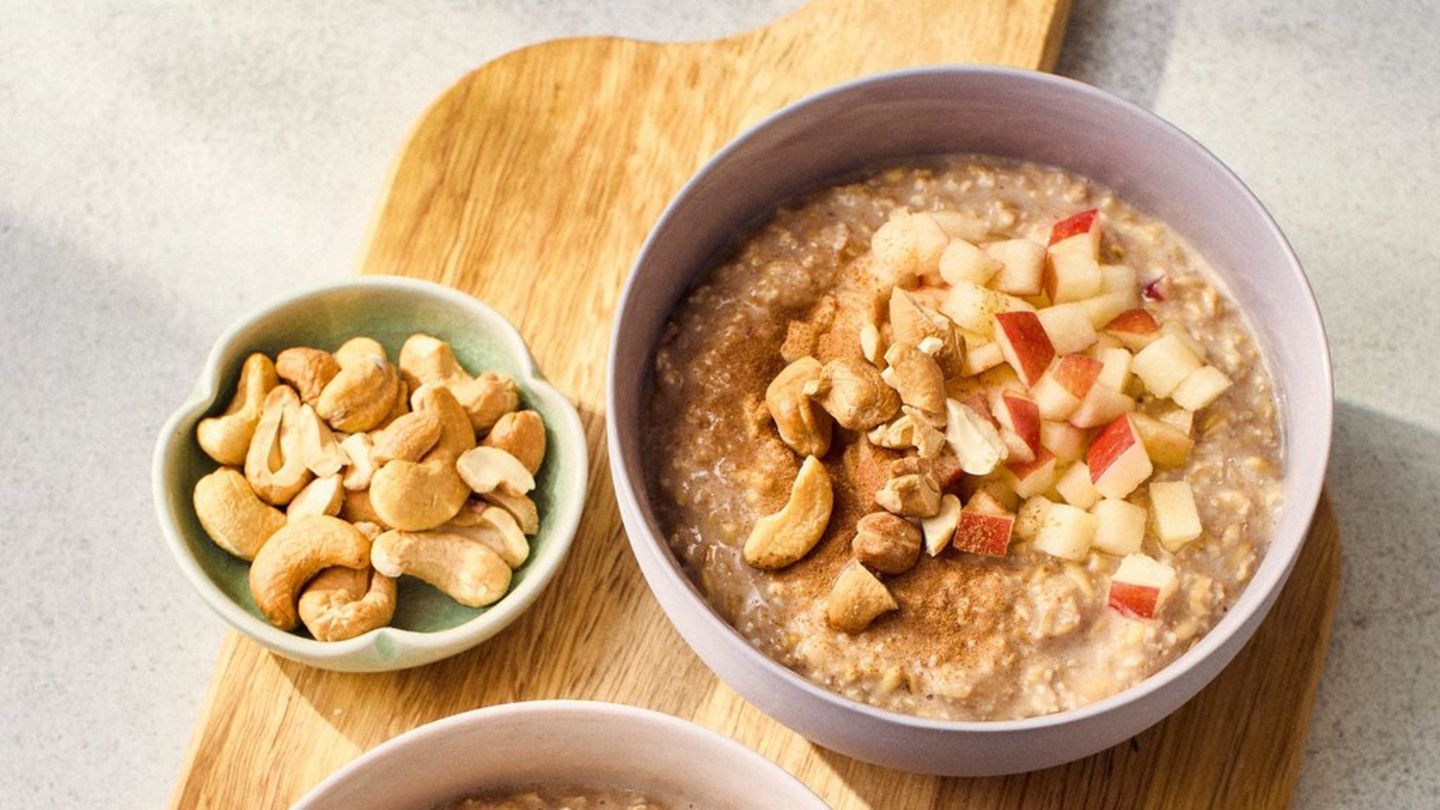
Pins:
x,y
428,625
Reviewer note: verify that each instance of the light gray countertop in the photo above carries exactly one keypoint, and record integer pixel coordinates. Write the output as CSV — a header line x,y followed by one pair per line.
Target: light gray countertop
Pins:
x,y
164,168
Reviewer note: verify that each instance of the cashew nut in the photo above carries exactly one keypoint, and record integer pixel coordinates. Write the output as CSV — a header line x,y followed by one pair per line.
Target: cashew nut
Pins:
x,y
852,391
805,428
467,571
788,535
400,408
912,323
911,491
415,496
520,507
408,438
357,448
456,433
496,529
522,435
226,438
296,553
356,508
318,449
976,442
275,464
363,393
917,377
425,360
323,496
343,603
487,469
887,543
857,599
232,515
307,370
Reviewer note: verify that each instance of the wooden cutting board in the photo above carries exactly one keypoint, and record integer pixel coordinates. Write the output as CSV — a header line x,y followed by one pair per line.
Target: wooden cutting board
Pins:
x,y
531,185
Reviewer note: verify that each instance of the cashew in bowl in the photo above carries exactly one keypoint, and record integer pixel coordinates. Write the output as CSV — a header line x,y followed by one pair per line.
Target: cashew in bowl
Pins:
x,y
343,603
415,496
456,434
296,553
522,435
234,517
520,507
408,438
307,370
323,496
494,528
274,464
318,448
226,438
788,535
803,426
490,469
466,571
425,360
363,392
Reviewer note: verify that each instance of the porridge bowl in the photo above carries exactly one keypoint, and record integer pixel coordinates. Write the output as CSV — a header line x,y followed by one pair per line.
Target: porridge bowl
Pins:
x,y
632,757
967,420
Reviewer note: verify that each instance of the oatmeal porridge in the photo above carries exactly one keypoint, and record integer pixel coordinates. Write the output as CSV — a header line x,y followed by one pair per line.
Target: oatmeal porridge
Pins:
x,y
969,439
549,797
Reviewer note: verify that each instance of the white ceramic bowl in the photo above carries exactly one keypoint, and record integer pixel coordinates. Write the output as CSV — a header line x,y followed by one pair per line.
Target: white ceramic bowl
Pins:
x,y
573,742
998,111
427,625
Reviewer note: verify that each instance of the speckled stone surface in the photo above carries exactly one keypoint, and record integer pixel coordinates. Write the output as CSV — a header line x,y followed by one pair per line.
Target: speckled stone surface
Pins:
x,y
163,169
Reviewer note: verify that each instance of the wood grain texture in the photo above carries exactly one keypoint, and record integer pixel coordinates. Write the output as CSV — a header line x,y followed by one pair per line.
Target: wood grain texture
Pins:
x,y
531,184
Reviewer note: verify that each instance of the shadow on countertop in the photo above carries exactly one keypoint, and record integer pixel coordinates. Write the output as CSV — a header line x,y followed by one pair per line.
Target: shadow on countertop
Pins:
x,y
1120,45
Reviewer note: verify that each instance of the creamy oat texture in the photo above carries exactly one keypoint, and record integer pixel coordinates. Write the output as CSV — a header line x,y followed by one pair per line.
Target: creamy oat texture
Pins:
x,y
549,797
974,638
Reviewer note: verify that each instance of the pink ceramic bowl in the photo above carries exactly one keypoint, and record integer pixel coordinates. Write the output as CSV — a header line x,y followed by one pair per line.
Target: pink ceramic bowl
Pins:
x,y
998,111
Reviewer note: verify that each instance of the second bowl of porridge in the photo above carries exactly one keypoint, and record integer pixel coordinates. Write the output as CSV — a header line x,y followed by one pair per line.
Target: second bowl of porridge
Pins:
x,y
954,418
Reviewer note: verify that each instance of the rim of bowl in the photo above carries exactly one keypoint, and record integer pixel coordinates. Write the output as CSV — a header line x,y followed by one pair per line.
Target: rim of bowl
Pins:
x,y
435,644
664,723
1258,594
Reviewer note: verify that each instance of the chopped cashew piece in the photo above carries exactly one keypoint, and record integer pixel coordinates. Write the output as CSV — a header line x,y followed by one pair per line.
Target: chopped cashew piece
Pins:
x,y
487,469
496,529
802,425
857,599
917,377
782,538
886,542
318,449
976,442
870,346
274,465
323,496
357,448
852,391
911,491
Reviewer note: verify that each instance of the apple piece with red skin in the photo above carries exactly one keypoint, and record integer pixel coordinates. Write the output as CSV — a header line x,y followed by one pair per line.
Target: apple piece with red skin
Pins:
x,y
1032,478
985,527
1117,459
1063,439
1061,389
1019,418
1084,225
1024,343
1162,365
1141,586
1136,328
1101,405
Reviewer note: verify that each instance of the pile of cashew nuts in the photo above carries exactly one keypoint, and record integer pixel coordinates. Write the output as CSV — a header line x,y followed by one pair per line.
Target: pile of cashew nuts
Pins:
x,y
424,470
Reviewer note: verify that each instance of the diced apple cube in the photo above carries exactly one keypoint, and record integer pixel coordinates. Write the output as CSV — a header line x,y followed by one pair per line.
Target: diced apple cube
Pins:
x,y
1178,418
996,490
1136,328
1177,523
1120,278
1115,366
961,226
1063,439
1081,231
1069,327
1202,387
1055,403
1024,343
963,261
1178,330
907,247
1105,307
1023,266
1101,405
1141,586
1117,459
1162,365
1031,517
1166,444
939,530
1066,532
1119,527
985,527
1070,275
973,307
1019,419
982,357
1032,478
1075,487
